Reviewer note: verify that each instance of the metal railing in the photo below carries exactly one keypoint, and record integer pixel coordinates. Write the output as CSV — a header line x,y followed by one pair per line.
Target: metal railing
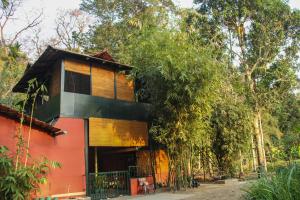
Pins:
x,y
108,184
138,172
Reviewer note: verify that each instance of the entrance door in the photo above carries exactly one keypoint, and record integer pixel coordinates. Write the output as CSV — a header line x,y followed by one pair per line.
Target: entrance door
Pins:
x,y
108,171
110,159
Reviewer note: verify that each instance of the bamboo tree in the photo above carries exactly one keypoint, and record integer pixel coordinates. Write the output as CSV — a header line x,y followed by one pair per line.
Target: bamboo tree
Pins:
x,y
39,89
178,77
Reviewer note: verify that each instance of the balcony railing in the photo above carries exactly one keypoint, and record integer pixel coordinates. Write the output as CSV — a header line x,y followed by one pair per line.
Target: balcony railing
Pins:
x,y
108,184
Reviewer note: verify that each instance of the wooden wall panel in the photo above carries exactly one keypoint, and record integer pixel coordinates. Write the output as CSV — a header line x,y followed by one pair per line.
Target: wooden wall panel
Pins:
x,y
117,133
125,90
54,87
103,82
77,66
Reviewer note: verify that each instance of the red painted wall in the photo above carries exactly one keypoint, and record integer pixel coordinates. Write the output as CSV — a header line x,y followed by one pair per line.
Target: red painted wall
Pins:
x,y
67,149
135,187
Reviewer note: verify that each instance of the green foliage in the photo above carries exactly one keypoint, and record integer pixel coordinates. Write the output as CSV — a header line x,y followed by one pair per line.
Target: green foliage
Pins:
x,y
178,77
231,129
262,40
118,20
4,3
12,65
16,184
284,185
288,115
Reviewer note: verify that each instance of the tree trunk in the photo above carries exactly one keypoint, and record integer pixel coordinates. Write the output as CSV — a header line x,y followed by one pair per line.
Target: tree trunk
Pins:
x,y
210,169
254,158
204,165
199,162
169,170
189,168
259,147
262,141
153,165
241,162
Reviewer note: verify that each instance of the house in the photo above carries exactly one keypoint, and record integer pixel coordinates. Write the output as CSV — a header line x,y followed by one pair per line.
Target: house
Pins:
x,y
105,140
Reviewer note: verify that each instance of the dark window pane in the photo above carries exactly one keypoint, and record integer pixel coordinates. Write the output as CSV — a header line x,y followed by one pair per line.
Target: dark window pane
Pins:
x,y
77,83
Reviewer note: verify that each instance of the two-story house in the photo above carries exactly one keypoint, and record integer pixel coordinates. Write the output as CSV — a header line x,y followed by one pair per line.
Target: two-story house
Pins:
x,y
93,101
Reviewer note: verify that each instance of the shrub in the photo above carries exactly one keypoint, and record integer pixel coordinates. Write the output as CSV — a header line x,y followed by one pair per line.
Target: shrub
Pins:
x,y
17,183
284,185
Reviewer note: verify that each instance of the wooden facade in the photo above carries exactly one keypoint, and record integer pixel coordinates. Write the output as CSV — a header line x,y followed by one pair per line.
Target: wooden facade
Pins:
x,y
104,82
125,90
77,66
54,84
117,133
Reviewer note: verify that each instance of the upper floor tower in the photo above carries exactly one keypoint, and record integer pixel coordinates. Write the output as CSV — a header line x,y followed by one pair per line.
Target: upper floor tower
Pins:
x,y
83,86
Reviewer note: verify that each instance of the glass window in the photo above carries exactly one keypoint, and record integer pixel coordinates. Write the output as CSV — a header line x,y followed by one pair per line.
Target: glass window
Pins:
x,y
77,83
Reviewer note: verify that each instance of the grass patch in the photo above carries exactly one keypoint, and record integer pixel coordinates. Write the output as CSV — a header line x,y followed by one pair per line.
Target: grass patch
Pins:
x,y
284,185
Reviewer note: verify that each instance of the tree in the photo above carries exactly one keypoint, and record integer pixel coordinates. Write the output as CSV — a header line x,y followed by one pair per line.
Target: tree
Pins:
x,y
13,60
178,78
12,66
70,33
70,28
263,39
231,129
118,20
288,116
8,10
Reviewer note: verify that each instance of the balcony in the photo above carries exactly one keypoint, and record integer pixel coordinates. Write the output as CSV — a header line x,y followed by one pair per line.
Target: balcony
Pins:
x,y
76,105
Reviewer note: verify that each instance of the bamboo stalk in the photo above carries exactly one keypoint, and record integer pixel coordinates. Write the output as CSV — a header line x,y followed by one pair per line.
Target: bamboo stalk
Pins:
x,y
96,160
29,132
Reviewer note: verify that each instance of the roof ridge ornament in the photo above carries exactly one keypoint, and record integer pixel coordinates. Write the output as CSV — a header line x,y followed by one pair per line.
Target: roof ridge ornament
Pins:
x,y
104,55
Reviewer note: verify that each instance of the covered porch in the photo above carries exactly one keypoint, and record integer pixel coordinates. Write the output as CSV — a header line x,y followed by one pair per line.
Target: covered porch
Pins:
x,y
115,157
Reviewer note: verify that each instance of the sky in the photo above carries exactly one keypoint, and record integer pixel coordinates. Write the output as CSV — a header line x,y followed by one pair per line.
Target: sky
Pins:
x,y
50,8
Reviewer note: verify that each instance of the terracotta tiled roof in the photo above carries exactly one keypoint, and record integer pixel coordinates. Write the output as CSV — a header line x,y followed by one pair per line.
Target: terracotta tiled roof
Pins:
x,y
15,115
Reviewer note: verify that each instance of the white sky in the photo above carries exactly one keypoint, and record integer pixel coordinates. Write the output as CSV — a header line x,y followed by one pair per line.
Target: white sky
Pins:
x,y
31,8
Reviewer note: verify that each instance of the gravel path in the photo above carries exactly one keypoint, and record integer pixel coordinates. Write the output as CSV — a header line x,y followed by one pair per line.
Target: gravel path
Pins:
x,y
204,192
219,192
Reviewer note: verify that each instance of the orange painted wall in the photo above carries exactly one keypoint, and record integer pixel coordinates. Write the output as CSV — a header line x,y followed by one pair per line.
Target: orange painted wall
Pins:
x,y
67,149
161,164
162,167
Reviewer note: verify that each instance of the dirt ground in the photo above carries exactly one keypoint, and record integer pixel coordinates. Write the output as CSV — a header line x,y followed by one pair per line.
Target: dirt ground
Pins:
x,y
219,192
204,192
